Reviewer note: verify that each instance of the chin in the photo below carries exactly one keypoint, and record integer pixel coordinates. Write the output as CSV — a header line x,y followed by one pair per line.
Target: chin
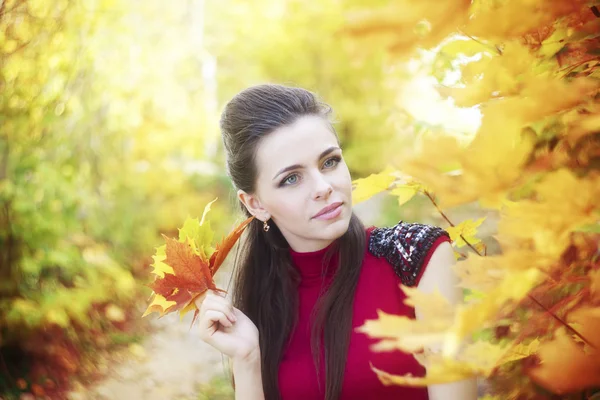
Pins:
x,y
337,228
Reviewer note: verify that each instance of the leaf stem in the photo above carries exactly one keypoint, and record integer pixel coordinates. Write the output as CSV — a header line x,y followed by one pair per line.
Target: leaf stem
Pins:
x,y
494,47
450,222
530,296
562,321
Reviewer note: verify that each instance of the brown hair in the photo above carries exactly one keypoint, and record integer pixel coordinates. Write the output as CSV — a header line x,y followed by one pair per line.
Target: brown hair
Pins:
x,y
265,279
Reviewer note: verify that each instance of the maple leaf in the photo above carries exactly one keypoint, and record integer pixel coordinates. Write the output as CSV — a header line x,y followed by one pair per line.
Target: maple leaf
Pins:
x,y
580,125
520,351
465,232
514,18
549,220
409,334
160,268
406,191
479,358
580,369
470,318
223,248
404,24
479,273
191,276
365,188
531,67
440,372
160,305
415,334
185,268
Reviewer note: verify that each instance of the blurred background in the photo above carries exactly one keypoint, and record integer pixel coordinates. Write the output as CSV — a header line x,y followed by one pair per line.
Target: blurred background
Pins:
x,y
109,137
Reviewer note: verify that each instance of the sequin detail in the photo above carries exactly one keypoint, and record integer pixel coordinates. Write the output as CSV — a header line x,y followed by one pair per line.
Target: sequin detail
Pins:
x,y
405,247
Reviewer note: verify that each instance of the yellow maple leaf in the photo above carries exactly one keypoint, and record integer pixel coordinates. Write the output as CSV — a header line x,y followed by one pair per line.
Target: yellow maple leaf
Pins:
x,y
472,317
479,273
465,232
406,191
443,370
580,125
482,356
520,351
365,188
493,76
409,334
397,332
404,24
160,268
548,220
431,305
513,18
159,304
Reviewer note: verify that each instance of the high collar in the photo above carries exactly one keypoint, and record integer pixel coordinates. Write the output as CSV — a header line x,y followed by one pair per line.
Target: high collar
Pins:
x,y
311,265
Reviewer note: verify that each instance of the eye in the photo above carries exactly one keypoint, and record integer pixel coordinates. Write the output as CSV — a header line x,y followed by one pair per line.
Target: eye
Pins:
x,y
290,180
331,162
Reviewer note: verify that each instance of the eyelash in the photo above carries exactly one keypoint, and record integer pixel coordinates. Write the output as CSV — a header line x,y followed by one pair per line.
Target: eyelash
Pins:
x,y
337,160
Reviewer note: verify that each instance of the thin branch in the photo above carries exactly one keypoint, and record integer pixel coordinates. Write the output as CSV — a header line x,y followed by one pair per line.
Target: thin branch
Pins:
x,y
494,47
450,222
562,321
572,67
556,317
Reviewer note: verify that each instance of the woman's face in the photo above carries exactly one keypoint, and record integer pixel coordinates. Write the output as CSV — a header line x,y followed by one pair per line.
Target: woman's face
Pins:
x,y
303,184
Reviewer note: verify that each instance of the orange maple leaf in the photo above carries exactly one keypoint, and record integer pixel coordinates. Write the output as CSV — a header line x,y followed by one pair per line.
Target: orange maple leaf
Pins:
x,y
192,273
567,365
191,276
223,248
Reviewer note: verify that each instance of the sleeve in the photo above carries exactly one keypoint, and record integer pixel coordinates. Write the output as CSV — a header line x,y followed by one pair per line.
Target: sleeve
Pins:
x,y
407,247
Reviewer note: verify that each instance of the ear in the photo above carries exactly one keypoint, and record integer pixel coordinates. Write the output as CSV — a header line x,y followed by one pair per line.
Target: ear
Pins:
x,y
253,205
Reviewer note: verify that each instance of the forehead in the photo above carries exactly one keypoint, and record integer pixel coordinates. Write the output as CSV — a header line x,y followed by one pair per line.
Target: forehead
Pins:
x,y
299,143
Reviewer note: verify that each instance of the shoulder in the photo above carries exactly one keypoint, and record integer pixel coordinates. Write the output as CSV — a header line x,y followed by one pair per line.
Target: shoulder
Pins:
x,y
407,247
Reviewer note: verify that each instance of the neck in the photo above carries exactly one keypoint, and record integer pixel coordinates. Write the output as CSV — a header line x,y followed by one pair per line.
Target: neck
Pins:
x,y
315,264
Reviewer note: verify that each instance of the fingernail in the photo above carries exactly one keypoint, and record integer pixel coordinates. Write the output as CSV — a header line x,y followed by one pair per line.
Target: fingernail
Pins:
x,y
233,318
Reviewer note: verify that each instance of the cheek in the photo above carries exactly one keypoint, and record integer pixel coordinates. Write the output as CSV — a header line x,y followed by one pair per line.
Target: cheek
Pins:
x,y
344,180
287,206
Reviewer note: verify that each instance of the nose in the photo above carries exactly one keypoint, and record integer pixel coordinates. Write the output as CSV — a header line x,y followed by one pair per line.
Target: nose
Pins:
x,y
322,188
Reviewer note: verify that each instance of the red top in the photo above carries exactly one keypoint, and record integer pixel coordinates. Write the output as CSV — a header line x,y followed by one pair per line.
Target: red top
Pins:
x,y
377,289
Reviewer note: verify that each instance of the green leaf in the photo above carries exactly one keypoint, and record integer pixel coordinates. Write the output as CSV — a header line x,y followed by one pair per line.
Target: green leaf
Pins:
x,y
589,228
554,43
199,232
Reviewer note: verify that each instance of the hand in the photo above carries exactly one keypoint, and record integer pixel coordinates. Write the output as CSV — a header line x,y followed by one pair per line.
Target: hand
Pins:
x,y
226,328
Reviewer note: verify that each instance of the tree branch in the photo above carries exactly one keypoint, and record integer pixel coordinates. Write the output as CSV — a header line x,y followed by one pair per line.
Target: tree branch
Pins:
x,y
530,296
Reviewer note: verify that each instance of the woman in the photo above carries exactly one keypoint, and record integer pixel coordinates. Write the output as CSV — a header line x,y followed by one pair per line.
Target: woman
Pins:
x,y
310,273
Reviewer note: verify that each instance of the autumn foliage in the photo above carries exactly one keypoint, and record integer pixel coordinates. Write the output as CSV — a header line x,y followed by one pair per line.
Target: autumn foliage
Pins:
x,y
185,268
531,318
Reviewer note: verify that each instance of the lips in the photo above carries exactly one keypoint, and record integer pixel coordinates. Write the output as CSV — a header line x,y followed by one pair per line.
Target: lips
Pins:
x,y
327,209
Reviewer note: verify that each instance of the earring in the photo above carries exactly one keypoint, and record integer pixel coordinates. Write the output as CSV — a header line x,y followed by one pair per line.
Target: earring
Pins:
x,y
266,226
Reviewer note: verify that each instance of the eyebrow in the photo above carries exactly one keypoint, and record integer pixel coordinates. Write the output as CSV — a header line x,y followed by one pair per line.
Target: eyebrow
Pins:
x,y
297,166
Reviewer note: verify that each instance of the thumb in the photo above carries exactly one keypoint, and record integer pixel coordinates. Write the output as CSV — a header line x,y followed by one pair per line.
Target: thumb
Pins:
x,y
198,300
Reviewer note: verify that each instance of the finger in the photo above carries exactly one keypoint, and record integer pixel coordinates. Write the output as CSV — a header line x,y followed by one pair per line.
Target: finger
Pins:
x,y
221,306
199,300
212,302
211,317
218,293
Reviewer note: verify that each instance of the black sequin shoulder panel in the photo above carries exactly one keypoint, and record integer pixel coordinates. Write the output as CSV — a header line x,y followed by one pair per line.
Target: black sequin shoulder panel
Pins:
x,y
405,247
